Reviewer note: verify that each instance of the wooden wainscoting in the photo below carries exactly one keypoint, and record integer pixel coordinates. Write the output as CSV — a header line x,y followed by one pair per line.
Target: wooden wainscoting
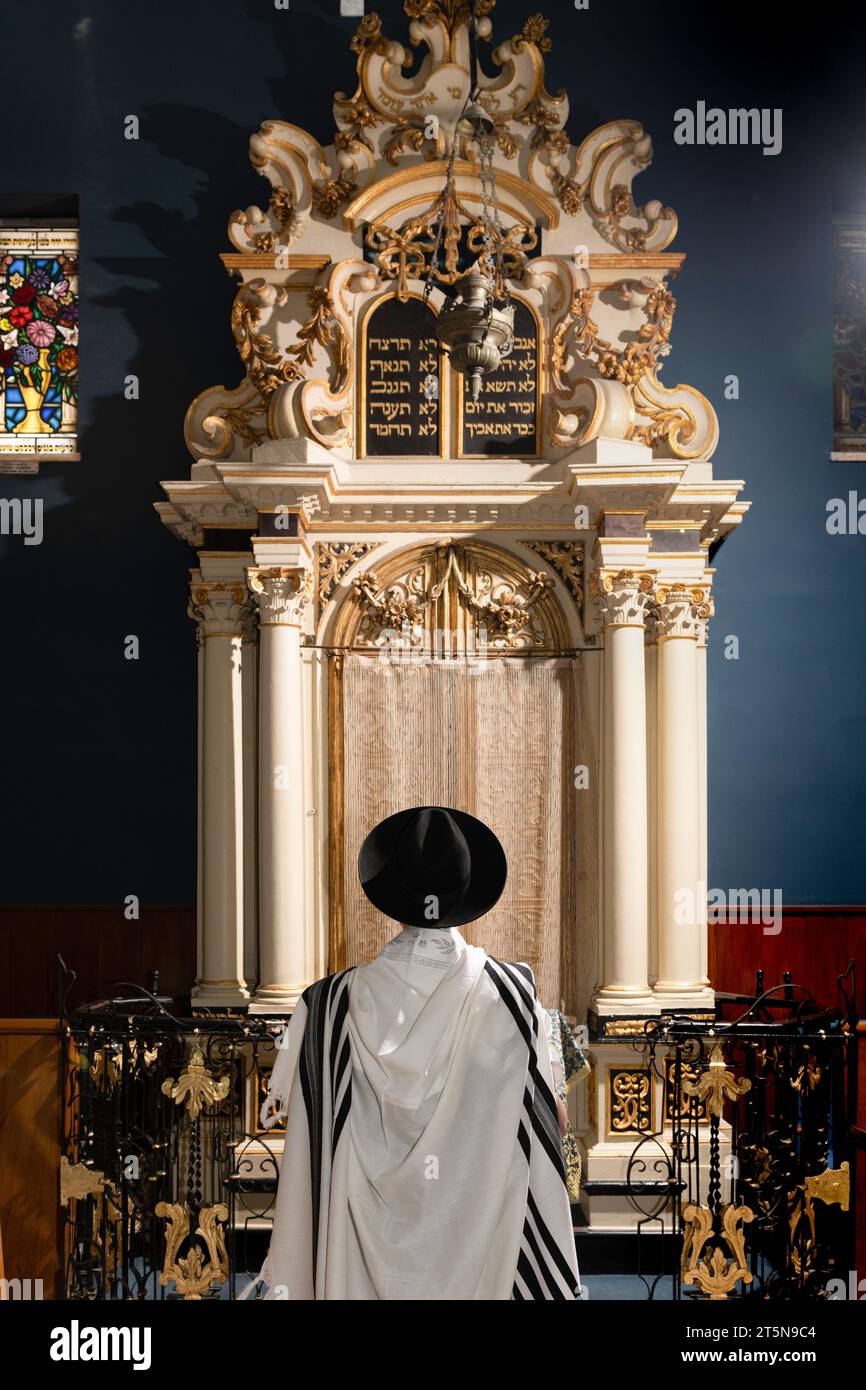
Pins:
x,y
99,944
815,944
30,1151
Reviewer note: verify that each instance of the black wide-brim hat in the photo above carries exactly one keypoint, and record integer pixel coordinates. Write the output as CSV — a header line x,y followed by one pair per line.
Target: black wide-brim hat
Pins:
x,y
432,866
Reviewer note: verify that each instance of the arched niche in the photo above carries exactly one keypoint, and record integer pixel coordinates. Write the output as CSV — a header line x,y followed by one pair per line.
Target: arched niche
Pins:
x,y
423,710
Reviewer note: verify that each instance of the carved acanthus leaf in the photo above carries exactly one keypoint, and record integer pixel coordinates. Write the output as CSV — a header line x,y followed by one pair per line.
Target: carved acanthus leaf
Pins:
x,y
266,366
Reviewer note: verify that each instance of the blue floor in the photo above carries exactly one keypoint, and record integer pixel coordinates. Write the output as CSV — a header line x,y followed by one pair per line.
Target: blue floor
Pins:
x,y
626,1288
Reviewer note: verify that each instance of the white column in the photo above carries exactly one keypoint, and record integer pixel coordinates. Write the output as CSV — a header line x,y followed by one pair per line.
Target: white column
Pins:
x,y
702,792
219,606
681,906
199,764
250,681
623,598
651,689
282,593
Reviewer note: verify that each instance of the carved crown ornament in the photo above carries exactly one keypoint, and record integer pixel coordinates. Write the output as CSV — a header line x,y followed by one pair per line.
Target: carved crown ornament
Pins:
x,y
352,221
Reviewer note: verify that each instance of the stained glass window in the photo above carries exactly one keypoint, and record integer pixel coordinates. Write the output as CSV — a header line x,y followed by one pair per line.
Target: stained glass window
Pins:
x,y
38,344
849,330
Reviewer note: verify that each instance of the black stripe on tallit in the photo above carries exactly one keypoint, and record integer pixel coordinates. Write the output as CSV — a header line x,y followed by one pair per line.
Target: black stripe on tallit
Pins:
x,y
510,1002
547,1273
343,1112
337,1013
553,1249
319,999
545,1120
528,1275
539,1104
310,1071
549,1139
523,1139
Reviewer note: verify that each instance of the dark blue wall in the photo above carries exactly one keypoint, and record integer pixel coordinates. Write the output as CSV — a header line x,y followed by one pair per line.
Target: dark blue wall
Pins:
x,y
98,752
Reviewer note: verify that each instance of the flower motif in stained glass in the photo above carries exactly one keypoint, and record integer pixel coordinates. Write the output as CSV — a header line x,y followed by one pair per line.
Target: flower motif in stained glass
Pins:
x,y
38,346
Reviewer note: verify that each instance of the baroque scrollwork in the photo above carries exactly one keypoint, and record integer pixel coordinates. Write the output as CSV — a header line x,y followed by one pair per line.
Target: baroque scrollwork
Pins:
x,y
266,366
193,1274
375,183
704,1261
404,253
334,560
196,1088
621,396
502,611
717,1084
566,559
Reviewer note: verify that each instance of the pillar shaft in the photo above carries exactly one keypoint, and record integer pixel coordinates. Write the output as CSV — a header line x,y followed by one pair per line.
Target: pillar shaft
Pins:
x,y
681,903
219,607
624,986
249,676
281,594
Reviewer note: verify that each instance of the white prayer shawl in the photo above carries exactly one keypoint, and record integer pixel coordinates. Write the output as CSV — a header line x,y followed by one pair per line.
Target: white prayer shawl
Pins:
x,y
422,1153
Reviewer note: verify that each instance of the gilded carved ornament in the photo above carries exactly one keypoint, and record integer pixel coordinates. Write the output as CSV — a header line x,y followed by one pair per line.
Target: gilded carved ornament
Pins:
x,y
681,610
218,606
502,609
281,592
629,1100
566,559
626,399
404,253
622,596
505,608
717,1084
307,405
302,386
704,1261
284,395
576,332
196,1088
334,559
194,1273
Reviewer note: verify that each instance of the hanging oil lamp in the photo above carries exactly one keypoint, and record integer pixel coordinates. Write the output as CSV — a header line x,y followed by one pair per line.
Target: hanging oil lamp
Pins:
x,y
476,323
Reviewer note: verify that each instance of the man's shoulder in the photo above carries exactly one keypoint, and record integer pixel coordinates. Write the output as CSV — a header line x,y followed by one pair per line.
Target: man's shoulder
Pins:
x,y
320,989
512,968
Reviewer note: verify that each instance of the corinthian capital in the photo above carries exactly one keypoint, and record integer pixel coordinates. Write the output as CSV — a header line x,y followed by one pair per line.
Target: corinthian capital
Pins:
x,y
282,593
622,596
682,610
218,605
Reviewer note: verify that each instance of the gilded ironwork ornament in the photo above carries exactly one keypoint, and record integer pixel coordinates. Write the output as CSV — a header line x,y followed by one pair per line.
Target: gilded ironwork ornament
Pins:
x,y
705,1264
195,1088
193,1274
717,1084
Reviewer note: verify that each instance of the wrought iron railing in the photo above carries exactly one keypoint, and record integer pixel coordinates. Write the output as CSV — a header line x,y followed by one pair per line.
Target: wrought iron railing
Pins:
x,y
168,1181
750,1170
